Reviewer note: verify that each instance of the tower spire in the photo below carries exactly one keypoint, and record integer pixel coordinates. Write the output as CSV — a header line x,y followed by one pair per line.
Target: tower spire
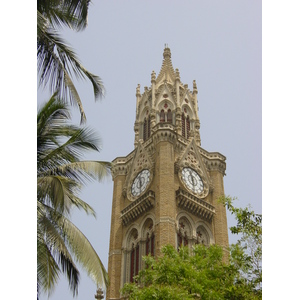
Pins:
x,y
167,71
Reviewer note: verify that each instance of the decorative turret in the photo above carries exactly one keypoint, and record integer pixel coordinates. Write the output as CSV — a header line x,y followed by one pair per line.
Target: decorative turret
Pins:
x,y
167,101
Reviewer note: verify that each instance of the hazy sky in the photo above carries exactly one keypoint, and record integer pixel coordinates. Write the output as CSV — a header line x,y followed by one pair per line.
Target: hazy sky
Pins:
x,y
216,43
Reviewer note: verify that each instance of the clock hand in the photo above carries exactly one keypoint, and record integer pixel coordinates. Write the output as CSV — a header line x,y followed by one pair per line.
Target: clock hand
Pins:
x,y
192,178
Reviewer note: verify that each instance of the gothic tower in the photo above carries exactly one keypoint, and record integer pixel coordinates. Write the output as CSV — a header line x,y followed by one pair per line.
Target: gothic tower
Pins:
x,y
166,189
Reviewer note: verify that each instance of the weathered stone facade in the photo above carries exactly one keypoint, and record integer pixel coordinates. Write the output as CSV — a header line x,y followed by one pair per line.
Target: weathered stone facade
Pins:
x,y
175,200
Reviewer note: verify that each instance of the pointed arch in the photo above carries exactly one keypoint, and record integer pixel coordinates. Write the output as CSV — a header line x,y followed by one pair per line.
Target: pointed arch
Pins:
x,y
133,247
203,234
149,129
149,237
183,125
188,125
169,116
184,232
162,116
146,128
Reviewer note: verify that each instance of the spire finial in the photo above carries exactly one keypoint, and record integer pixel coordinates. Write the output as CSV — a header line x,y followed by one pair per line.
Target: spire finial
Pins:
x,y
153,76
195,90
138,91
167,52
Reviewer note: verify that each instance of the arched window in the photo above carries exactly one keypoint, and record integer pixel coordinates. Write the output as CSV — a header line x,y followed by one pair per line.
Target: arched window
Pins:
x,y
148,233
132,255
184,232
162,116
202,236
150,244
146,129
134,261
169,116
181,240
185,126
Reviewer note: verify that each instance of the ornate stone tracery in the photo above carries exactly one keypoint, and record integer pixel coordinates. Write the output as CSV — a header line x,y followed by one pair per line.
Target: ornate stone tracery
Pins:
x,y
202,236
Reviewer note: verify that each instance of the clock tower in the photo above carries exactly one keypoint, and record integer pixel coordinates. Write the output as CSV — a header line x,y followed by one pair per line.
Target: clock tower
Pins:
x,y
165,190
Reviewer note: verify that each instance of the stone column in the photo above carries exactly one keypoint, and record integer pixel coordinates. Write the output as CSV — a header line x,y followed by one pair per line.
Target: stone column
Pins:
x,y
220,219
165,195
116,237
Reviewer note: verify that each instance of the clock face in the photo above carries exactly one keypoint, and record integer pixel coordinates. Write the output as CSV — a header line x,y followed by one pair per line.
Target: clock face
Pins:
x,y
192,180
140,183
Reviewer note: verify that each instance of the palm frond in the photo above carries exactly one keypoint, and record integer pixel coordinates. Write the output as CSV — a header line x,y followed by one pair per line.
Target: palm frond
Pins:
x,y
60,192
70,270
53,255
53,190
89,169
72,13
49,230
85,139
56,63
60,176
79,10
84,252
81,140
52,114
47,269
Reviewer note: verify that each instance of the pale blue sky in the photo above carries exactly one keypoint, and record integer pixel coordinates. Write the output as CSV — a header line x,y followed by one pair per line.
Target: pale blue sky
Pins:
x,y
217,43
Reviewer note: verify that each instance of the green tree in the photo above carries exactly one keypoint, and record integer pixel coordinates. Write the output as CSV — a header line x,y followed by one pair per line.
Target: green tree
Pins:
x,y
60,176
202,272
56,61
246,254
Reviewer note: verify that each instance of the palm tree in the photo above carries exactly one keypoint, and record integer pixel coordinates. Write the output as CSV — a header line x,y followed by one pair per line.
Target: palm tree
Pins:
x,y
60,175
56,61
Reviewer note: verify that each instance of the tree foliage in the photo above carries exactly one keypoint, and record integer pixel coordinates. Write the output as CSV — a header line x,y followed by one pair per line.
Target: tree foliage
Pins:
x,y
60,175
56,61
246,254
203,272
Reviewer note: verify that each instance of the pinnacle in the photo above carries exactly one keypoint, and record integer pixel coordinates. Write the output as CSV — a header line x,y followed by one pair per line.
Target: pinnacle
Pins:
x,y
167,52
167,71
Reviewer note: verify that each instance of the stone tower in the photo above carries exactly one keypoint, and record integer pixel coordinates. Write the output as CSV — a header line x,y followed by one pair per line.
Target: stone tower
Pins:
x,y
166,189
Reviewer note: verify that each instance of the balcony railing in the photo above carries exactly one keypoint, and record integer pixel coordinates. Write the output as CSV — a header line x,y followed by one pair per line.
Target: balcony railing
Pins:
x,y
196,206
136,208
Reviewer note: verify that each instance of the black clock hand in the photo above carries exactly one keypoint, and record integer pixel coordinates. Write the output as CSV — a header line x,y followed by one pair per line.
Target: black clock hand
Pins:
x,y
192,178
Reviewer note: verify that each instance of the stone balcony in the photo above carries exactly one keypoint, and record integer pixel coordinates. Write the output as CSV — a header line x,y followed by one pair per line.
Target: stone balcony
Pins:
x,y
196,206
138,207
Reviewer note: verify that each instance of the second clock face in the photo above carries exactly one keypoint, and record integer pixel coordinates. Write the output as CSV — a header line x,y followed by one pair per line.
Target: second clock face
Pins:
x,y
140,183
192,180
